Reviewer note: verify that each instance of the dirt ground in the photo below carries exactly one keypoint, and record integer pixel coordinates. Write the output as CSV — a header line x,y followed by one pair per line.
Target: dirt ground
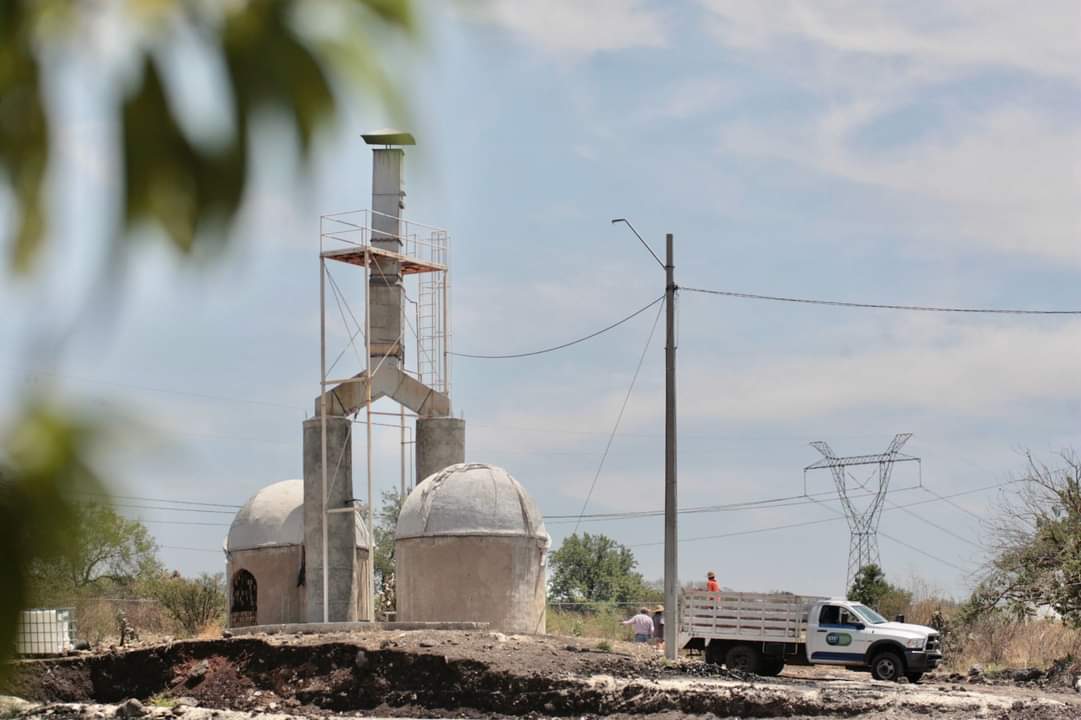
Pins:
x,y
490,675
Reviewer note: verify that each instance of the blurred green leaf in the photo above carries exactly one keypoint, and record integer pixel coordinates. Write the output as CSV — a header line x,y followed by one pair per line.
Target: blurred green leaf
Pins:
x,y
24,130
44,465
169,181
192,193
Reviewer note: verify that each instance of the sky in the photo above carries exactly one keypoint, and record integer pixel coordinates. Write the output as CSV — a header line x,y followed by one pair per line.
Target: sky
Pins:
x,y
915,153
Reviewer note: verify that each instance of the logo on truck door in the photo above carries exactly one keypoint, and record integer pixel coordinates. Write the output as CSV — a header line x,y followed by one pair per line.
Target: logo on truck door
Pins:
x,y
835,638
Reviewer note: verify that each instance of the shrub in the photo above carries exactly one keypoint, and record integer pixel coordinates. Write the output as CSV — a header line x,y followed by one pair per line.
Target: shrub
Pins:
x,y
193,602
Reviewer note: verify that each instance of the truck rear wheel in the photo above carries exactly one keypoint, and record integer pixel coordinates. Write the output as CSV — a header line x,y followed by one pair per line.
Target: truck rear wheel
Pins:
x,y
771,665
887,665
715,653
743,658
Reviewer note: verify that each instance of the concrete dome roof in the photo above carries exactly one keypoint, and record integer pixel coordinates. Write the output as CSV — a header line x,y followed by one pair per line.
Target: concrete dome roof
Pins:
x,y
274,517
470,499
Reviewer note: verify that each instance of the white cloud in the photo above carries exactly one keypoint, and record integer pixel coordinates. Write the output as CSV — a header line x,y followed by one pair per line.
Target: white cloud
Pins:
x,y
1039,39
981,372
1003,175
1011,183
573,28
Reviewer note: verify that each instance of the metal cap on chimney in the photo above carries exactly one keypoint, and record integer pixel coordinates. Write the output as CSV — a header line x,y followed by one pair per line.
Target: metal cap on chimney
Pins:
x,y
388,137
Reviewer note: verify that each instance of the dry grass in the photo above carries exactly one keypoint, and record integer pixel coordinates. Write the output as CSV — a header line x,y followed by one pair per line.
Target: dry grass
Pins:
x,y
97,620
603,622
211,630
998,642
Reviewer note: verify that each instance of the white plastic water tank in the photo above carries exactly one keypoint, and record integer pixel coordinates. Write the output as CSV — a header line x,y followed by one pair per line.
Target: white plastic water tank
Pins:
x,y
44,632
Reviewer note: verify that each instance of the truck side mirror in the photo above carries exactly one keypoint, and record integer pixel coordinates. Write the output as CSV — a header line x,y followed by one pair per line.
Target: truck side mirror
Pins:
x,y
859,626
899,618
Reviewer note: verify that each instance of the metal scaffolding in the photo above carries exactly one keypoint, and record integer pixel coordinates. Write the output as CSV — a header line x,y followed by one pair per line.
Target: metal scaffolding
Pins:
x,y
421,387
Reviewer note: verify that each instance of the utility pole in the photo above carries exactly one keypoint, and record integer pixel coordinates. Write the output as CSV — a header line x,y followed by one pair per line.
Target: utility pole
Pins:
x,y
671,552
671,555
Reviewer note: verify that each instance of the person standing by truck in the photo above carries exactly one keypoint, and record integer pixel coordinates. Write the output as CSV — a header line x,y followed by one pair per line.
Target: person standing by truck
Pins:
x,y
658,625
642,624
711,582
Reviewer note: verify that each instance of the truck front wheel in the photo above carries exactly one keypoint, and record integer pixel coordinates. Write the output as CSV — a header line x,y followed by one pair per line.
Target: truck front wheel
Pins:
x,y
888,666
743,658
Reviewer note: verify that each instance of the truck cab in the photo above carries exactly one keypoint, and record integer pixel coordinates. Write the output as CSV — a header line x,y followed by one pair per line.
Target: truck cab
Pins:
x,y
843,632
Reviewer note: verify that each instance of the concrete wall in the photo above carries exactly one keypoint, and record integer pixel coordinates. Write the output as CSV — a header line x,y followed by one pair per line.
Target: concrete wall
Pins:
x,y
440,443
276,569
497,580
363,578
341,528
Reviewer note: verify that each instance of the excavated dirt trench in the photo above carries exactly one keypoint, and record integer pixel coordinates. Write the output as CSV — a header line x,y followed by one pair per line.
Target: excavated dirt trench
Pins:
x,y
249,674
253,674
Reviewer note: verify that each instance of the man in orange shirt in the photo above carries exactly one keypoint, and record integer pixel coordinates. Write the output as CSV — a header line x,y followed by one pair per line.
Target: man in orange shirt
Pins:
x,y
711,582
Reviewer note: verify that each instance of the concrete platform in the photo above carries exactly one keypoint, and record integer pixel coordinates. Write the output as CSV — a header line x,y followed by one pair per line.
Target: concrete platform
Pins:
x,y
347,627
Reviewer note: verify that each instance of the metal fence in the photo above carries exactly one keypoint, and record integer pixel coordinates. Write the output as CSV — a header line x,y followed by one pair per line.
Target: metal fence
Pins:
x,y
45,631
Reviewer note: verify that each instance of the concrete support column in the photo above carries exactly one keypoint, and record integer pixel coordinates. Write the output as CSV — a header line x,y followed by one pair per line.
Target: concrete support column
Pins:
x,y
341,527
440,442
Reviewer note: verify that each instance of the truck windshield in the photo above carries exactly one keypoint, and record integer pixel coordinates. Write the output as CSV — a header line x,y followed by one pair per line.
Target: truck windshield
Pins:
x,y
869,615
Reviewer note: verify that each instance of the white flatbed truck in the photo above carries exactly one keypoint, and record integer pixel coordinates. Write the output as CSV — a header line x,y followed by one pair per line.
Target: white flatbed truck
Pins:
x,y
761,633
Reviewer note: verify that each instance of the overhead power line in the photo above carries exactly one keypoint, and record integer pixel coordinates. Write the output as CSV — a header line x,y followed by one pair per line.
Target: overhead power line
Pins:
x,y
926,554
592,335
839,517
765,504
619,417
938,527
907,545
880,306
771,503
184,522
946,500
191,549
204,511
152,389
160,500
752,531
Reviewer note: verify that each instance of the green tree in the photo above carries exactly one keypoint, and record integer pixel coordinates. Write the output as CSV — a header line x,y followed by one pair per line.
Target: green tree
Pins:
x,y
1037,546
288,58
595,568
383,543
871,588
869,585
105,549
194,603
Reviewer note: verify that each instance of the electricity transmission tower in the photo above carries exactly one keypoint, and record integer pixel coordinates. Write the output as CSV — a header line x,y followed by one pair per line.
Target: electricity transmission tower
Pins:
x,y
862,522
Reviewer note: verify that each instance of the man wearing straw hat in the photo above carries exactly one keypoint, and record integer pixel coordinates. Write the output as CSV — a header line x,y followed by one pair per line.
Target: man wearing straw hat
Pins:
x,y
711,582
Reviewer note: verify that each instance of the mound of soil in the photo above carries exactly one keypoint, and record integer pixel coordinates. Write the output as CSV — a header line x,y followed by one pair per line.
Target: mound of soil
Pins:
x,y
477,674
1064,674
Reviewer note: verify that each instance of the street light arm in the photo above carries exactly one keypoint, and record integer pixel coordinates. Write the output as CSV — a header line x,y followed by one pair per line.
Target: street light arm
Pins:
x,y
627,222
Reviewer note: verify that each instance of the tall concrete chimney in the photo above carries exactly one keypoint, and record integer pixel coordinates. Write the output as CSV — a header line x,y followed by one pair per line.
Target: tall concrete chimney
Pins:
x,y
385,281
